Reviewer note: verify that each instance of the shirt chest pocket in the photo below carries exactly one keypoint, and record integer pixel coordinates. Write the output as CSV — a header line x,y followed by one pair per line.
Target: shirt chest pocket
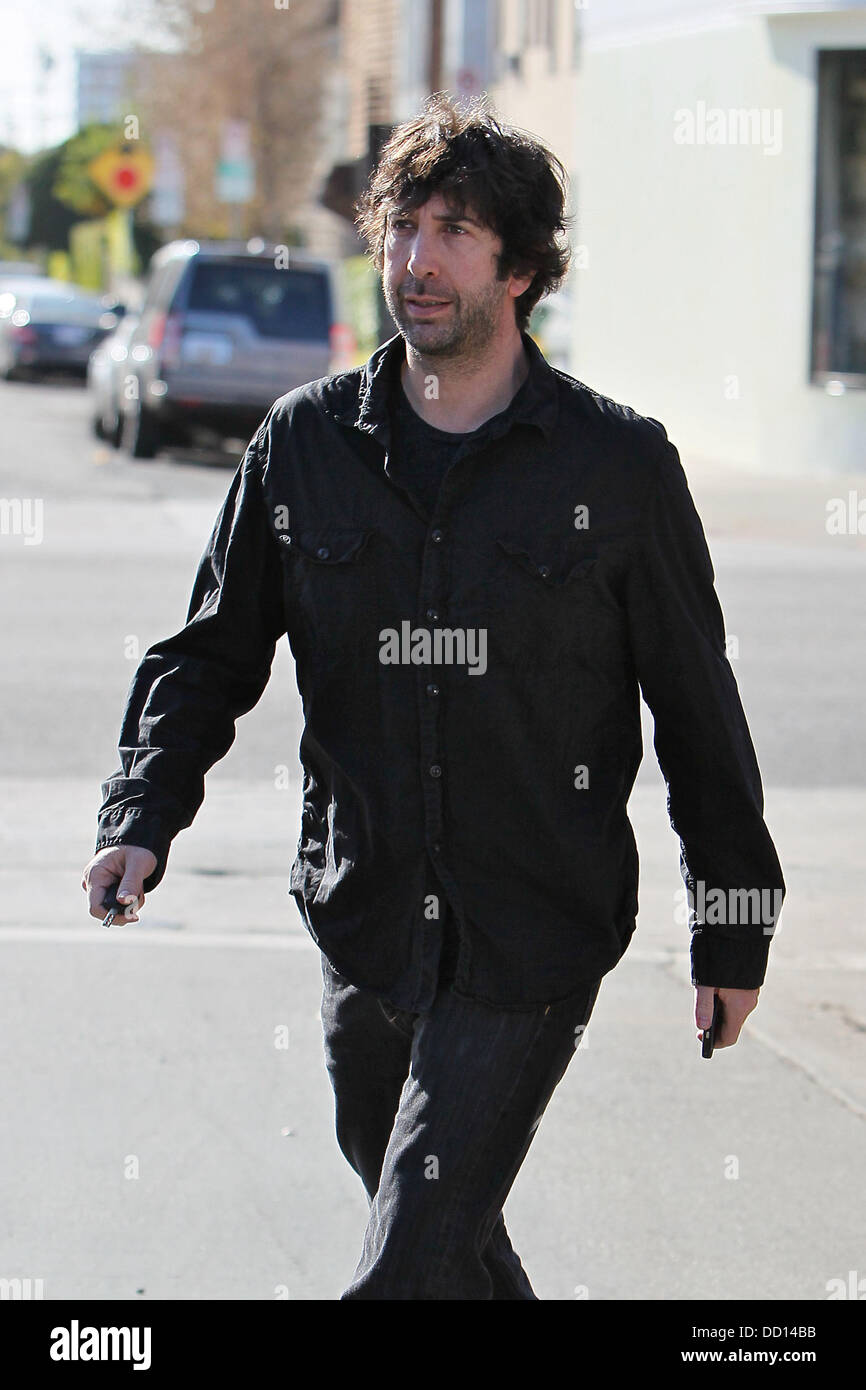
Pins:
x,y
553,563
333,578
329,545
547,609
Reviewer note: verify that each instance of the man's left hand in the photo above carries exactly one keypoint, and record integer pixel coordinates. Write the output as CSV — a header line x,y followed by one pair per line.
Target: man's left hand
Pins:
x,y
736,1005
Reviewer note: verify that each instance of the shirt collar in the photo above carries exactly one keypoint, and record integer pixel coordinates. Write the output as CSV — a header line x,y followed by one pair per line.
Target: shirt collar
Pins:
x,y
536,402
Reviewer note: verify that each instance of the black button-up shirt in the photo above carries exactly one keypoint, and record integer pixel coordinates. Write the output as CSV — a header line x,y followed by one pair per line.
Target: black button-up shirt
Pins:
x,y
471,686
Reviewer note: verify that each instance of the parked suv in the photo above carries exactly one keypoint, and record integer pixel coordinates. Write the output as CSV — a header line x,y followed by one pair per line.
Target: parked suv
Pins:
x,y
224,330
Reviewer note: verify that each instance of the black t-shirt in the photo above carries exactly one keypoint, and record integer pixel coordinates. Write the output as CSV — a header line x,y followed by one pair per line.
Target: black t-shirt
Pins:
x,y
420,454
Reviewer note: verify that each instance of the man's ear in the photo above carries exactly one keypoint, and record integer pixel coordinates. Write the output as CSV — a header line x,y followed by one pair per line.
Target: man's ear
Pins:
x,y
519,284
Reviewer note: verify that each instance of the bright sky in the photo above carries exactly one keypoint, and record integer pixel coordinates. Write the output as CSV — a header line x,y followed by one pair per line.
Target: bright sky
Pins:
x,y
37,105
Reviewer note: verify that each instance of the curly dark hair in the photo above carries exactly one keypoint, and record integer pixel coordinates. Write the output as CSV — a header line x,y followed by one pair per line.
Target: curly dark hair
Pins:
x,y
512,183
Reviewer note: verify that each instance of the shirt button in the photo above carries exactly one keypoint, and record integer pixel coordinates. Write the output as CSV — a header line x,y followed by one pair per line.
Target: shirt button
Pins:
x,y
437,848
432,615
323,552
435,770
432,690
544,571
436,537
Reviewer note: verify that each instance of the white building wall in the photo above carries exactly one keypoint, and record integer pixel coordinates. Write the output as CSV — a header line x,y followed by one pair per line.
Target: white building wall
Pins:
x,y
695,303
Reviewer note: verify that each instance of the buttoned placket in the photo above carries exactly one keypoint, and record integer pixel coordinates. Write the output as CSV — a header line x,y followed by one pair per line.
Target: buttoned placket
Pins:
x,y
429,695
432,692
432,599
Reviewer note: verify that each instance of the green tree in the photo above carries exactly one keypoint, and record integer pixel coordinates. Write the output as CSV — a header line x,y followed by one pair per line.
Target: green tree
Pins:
x,y
12,168
50,219
73,184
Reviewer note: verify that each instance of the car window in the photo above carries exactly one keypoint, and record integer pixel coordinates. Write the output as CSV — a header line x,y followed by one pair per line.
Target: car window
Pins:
x,y
64,309
19,287
279,303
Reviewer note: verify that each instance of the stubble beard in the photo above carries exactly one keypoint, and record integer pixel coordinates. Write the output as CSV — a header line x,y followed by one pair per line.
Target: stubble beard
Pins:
x,y
470,327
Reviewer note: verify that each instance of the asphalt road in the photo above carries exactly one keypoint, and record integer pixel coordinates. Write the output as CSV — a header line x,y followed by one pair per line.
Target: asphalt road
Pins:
x,y
157,1143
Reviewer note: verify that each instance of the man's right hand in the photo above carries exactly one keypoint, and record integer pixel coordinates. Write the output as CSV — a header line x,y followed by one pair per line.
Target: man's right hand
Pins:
x,y
129,865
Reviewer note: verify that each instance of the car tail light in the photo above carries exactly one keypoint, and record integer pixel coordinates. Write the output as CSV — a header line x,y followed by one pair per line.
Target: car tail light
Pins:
x,y
164,335
343,346
23,334
156,331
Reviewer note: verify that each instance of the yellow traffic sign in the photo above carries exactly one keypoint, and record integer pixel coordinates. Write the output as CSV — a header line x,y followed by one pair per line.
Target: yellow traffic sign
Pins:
x,y
125,176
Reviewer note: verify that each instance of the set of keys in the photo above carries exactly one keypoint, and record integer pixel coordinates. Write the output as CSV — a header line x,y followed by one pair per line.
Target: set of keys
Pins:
x,y
115,908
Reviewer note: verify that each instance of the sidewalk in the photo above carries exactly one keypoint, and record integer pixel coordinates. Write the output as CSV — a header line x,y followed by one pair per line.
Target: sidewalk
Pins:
x,y
736,504
156,1045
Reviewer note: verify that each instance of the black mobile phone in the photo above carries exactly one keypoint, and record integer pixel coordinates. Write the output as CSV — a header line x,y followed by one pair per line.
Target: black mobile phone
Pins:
x,y
708,1037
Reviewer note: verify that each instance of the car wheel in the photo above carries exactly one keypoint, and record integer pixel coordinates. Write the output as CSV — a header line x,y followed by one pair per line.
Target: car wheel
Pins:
x,y
97,426
140,433
114,433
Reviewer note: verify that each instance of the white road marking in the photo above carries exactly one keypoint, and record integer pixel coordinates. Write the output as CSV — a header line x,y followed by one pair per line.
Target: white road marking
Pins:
x,y
278,941
155,936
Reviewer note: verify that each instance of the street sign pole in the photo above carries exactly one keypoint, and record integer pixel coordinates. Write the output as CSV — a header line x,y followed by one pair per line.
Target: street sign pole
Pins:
x,y
123,174
235,174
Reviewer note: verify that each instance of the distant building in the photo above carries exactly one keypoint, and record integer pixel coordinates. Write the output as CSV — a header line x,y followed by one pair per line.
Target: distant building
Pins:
x,y
102,86
396,52
529,69
720,163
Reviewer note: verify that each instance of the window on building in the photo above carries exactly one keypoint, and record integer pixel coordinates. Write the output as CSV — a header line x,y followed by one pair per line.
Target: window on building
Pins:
x,y
532,23
413,50
537,27
839,281
479,22
536,22
497,39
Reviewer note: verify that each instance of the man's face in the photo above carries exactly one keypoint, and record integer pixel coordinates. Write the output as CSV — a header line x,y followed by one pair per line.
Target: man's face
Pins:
x,y
440,283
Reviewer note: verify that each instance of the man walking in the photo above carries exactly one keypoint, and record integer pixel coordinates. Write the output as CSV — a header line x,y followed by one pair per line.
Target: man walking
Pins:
x,y
480,564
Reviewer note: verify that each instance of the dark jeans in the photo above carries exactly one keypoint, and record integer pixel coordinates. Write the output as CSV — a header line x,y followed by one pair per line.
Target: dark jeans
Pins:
x,y
436,1112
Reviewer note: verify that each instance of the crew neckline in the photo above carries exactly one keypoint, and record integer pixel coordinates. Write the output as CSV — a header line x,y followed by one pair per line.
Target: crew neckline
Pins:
x,y
452,435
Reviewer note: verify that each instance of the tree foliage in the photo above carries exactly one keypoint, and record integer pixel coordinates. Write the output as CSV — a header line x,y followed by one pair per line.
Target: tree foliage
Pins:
x,y
73,185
